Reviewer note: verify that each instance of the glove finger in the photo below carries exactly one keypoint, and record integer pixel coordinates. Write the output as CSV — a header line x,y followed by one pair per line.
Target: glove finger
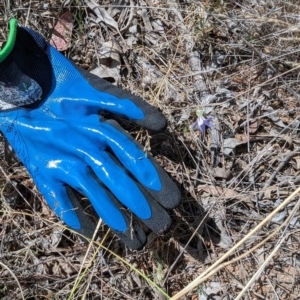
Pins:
x,y
78,177
145,169
64,202
126,191
109,209
160,220
134,236
85,184
65,205
126,103
119,183
129,193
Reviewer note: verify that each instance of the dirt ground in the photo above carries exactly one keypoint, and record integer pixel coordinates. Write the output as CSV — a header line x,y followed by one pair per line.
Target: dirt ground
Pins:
x,y
232,64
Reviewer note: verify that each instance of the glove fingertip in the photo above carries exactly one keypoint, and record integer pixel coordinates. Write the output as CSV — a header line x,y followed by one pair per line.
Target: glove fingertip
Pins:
x,y
169,196
154,120
134,237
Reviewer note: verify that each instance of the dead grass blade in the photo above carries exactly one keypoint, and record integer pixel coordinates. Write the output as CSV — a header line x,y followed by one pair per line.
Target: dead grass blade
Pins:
x,y
262,267
214,268
15,278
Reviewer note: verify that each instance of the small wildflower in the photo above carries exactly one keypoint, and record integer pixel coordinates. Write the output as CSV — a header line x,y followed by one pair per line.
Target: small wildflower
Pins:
x,y
201,122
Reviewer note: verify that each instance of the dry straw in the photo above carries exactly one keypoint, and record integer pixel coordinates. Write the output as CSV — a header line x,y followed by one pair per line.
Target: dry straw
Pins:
x,y
217,265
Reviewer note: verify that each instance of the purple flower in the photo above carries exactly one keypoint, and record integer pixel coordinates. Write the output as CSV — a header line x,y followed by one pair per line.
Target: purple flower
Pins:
x,y
201,122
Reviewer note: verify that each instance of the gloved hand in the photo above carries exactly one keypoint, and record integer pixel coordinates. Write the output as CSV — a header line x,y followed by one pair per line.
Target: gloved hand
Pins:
x,y
51,116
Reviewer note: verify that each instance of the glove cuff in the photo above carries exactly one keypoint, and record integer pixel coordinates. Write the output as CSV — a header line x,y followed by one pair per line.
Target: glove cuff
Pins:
x,y
10,40
25,70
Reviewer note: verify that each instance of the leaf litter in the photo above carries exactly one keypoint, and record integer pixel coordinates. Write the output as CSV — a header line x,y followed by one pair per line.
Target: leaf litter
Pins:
x,y
237,62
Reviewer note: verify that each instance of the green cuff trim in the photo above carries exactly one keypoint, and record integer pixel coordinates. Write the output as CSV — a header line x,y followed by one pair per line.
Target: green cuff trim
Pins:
x,y
13,23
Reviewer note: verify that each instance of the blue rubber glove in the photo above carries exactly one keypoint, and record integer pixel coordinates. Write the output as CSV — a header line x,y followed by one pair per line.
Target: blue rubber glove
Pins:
x,y
51,116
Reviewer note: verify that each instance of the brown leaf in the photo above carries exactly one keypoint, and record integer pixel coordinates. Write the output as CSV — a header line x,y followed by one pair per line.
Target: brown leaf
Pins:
x,y
110,62
231,143
272,192
225,193
295,162
254,125
61,35
102,14
221,173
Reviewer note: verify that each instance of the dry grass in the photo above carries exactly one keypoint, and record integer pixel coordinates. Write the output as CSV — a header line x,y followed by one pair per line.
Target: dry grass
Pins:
x,y
239,62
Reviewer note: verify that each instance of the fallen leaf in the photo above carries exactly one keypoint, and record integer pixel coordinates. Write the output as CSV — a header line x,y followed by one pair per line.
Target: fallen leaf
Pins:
x,y
110,62
221,173
225,193
254,125
144,14
62,32
279,216
272,115
102,14
186,113
231,143
295,162
273,192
